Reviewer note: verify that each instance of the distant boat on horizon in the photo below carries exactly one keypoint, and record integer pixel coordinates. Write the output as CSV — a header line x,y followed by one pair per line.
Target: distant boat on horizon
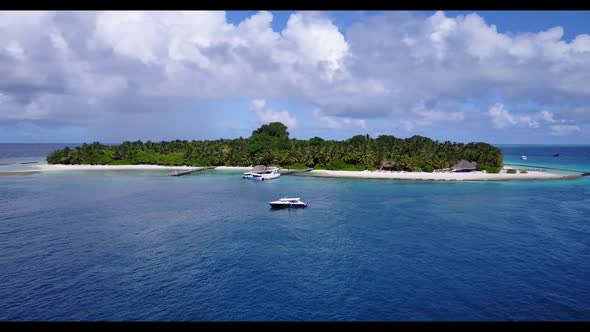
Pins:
x,y
556,155
523,157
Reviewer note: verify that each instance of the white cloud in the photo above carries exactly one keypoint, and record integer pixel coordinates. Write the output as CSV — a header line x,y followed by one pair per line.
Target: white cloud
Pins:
x,y
5,98
562,130
422,116
339,123
315,39
269,115
14,50
548,117
501,117
581,44
463,57
257,104
528,121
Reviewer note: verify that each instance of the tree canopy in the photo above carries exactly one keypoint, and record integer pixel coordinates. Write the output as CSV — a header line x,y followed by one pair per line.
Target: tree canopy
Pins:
x,y
270,145
273,129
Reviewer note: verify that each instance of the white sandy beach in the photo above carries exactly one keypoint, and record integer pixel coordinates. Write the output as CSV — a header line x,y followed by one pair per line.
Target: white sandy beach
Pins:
x,y
60,167
391,175
233,168
441,176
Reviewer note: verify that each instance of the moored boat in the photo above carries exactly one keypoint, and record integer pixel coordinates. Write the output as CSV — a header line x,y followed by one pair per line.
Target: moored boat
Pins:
x,y
288,203
262,173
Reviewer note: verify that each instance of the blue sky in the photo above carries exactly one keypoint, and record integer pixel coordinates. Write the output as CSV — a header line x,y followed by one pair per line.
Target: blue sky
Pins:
x,y
574,22
496,76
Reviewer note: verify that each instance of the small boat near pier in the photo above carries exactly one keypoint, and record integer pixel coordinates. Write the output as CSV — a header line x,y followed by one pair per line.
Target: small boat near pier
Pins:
x,y
262,173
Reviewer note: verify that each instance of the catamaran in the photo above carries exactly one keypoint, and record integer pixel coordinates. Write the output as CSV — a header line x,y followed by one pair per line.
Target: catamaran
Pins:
x,y
288,203
266,174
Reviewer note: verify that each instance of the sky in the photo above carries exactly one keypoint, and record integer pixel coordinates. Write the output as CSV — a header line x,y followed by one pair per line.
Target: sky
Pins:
x,y
520,77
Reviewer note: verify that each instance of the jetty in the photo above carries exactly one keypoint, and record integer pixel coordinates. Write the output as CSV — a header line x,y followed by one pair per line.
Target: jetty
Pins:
x,y
188,171
292,171
18,173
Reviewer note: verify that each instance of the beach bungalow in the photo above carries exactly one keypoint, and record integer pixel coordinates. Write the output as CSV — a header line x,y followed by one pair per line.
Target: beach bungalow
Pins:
x,y
464,166
386,165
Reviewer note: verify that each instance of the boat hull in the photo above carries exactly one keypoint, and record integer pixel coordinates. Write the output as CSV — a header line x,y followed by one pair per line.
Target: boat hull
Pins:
x,y
287,205
261,178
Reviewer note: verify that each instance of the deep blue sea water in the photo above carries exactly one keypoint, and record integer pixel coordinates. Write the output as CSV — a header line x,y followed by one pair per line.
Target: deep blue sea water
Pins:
x,y
139,245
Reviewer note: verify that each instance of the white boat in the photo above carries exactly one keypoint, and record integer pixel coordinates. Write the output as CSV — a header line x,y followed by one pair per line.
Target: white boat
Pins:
x,y
288,203
523,157
262,174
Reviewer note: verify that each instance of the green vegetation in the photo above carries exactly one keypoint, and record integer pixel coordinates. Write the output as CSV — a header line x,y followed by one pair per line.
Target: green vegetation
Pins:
x,y
511,171
489,169
523,172
270,145
295,166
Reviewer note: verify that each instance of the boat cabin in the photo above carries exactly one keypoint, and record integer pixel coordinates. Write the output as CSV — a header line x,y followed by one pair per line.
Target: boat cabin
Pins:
x,y
259,169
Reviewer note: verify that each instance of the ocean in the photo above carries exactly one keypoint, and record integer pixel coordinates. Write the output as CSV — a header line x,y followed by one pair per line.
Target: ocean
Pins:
x,y
140,245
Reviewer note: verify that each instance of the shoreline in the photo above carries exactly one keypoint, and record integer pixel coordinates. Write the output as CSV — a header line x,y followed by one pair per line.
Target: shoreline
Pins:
x,y
384,175
232,168
63,167
440,176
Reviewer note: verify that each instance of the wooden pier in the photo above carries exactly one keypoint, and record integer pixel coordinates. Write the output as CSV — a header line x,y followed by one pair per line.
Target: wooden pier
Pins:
x,y
292,171
189,171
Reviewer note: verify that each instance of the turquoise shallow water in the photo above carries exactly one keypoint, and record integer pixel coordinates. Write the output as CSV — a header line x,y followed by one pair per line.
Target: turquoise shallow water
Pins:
x,y
571,157
138,245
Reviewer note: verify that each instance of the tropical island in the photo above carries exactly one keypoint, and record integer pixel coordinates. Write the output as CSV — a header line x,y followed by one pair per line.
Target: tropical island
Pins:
x,y
270,145
361,156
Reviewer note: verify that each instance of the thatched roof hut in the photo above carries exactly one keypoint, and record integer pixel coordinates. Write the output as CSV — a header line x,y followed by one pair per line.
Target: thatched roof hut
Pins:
x,y
387,165
464,166
259,168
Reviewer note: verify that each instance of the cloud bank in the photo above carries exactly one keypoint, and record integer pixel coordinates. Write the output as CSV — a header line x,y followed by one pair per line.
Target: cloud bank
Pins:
x,y
410,70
